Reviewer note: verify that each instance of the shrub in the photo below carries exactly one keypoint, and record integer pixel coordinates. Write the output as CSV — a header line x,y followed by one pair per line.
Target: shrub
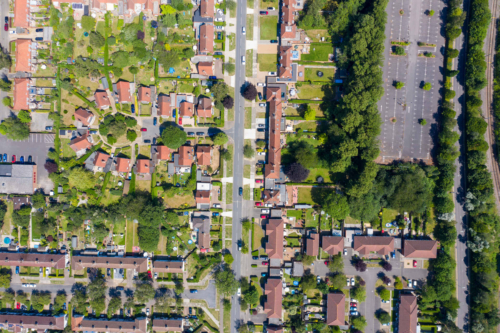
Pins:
x,y
131,135
248,151
7,101
423,122
399,85
427,86
133,70
399,50
430,12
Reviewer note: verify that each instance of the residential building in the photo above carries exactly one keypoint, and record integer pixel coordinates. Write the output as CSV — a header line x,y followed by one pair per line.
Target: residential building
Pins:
x,y
274,329
104,6
332,245
79,262
135,7
81,143
273,166
288,31
206,68
366,244
81,323
206,39
144,95
24,48
168,325
273,94
23,259
285,60
201,225
426,249
335,309
124,90
273,306
207,8
21,14
20,202
121,165
272,197
143,167
168,266
203,155
102,100
202,198
18,178
85,117
185,157
160,153
21,94
164,106
12,321
204,108
312,244
408,314
186,109
98,161
274,233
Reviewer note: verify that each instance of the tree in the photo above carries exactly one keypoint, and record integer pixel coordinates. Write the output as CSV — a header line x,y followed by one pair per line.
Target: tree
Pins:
x,y
5,84
309,113
59,301
24,116
399,50
225,155
50,167
144,292
360,265
39,300
359,293
359,322
220,91
5,59
383,317
225,280
308,282
5,277
120,59
423,122
308,260
7,101
220,139
384,294
336,264
8,297
386,280
228,102
399,85
251,296
88,23
248,151
430,12
38,200
131,135
250,92
387,266
336,205
296,172
231,5
81,178
172,218
14,129
338,281
427,86
173,137
445,233
133,70
22,297
114,304
96,39
323,287
230,68
305,154
228,258
398,284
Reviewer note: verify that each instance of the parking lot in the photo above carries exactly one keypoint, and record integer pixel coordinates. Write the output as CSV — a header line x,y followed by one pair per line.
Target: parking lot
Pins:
x,y
37,146
402,109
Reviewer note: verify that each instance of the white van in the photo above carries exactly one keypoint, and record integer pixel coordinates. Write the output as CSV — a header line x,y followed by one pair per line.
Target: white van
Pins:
x,y
243,31
242,60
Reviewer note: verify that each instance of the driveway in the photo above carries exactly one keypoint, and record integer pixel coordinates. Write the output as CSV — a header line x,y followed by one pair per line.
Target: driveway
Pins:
x,y
37,146
40,121
207,294
152,130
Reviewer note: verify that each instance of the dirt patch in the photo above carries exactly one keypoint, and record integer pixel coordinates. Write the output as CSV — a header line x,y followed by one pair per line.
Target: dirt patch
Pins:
x,y
267,48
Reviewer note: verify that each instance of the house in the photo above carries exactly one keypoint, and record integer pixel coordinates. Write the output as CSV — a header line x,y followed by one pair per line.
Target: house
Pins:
x,y
20,202
103,6
203,155
30,259
274,329
98,161
81,323
168,266
121,165
288,31
124,90
21,94
22,321
335,309
332,245
367,244
102,100
207,8
79,262
312,244
18,178
273,166
202,198
168,325
285,61
143,167
204,108
81,143
85,117
206,39
408,311
160,153
426,249
273,94
186,156
144,95
201,225
206,68
135,7
271,197
23,55
21,14
186,109
164,107
273,306
274,233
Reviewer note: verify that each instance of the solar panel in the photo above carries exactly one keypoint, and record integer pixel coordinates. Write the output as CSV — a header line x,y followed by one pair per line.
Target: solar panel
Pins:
x,y
77,6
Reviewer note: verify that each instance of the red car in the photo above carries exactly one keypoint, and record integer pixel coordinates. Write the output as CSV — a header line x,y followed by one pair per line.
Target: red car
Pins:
x,y
326,263
265,263
149,275
414,263
6,27
144,129
354,304
180,121
259,181
13,158
263,216
258,204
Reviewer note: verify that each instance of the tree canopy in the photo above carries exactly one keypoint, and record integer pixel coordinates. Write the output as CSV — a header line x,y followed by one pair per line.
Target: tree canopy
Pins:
x,y
173,137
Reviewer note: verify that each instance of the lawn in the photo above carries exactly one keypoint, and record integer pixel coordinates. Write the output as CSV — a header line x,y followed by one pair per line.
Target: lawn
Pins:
x,y
130,235
246,192
388,216
249,63
229,193
145,151
317,172
316,34
229,164
257,236
250,4
318,52
143,185
268,62
6,228
66,149
270,3
308,126
310,91
249,27
304,196
268,27
312,74
312,221
248,117
293,241
246,171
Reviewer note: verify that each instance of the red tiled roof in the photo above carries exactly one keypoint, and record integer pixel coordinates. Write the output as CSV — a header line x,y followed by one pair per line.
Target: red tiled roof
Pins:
x,y
273,165
275,329
203,155
335,309
207,8
312,244
143,166
186,155
288,31
202,196
80,143
122,164
124,94
102,100
287,13
289,3
138,263
80,323
332,244
22,322
23,259
168,325
21,94
205,68
163,153
420,249
164,106
285,70
144,94
273,305
23,55
168,266
273,94
21,13
380,244
408,311
204,107
186,109
206,38
271,196
274,233
83,116
101,159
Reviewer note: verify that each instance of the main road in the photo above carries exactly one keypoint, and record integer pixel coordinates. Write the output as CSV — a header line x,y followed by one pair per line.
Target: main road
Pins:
x,y
239,129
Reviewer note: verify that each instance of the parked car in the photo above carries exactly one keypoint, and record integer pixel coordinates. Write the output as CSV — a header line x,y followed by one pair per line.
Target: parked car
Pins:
x,y
354,313
264,258
120,288
353,281
7,20
238,293
5,158
271,8
242,60
271,73
6,27
348,282
258,204
21,159
213,77
263,12
13,158
265,263
264,211
144,129
261,129
274,41
132,107
48,128
218,27
260,95
190,133
41,270
255,257
354,304
353,308
17,269
262,105
241,191
410,283
414,283
39,30
259,181
147,312
180,121
39,39
109,271
243,31
354,300
263,216
18,306
29,159
326,262
147,141
261,125
190,310
393,254
263,274
216,205
261,84
345,252
200,133
387,257
215,214
193,291
154,121
261,153
414,263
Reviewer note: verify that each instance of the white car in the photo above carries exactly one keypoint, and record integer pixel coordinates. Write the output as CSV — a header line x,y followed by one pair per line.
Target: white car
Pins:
x,y
47,270
218,19
216,205
219,27
25,285
270,8
348,282
243,31
41,270
239,292
271,73
33,285
242,60
410,283
353,300
261,153
261,84
353,282
12,31
156,275
415,283
264,211
262,105
147,312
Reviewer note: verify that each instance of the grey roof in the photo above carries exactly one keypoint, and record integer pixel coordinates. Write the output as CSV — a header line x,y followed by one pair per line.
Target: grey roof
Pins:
x,y
198,19
20,181
275,272
5,170
171,168
201,178
298,269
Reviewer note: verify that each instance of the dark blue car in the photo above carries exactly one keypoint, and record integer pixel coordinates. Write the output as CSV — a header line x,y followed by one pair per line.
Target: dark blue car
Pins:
x,y
154,121
133,108
21,159
17,269
5,158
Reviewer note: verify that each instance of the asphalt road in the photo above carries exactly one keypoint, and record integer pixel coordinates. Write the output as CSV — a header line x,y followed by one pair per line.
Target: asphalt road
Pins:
x,y
239,129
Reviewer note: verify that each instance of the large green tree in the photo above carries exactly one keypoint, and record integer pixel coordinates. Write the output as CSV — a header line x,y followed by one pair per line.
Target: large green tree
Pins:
x,y
173,137
14,129
225,281
81,178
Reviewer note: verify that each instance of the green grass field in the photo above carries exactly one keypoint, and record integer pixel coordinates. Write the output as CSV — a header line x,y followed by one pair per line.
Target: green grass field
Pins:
x,y
318,52
249,63
268,27
249,27
267,62
304,196
248,117
311,91
312,74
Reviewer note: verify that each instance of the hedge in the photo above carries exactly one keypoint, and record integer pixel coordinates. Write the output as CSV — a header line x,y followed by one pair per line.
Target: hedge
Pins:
x,y
305,101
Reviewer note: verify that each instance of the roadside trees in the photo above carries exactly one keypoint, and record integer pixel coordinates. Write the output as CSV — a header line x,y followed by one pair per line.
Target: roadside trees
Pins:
x,y
225,280
427,86
248,151
384,293
250,92
173,137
